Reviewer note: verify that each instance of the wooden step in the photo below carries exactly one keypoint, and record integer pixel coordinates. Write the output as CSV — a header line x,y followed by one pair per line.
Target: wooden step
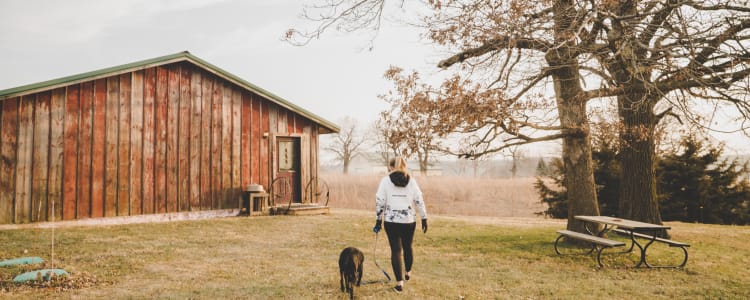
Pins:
x,y
302,210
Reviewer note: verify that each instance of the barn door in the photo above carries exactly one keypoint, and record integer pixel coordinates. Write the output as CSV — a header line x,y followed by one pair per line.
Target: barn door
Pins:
x,y
288,166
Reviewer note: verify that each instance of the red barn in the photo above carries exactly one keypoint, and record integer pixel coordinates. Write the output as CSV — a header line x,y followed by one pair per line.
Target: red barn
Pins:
x,y
169,134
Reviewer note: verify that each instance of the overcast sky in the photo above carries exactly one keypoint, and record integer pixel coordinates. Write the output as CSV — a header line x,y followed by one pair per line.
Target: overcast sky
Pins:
x,y
333,77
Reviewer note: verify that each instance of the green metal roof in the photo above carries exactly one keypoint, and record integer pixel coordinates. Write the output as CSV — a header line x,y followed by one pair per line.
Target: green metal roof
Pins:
x,y
177,57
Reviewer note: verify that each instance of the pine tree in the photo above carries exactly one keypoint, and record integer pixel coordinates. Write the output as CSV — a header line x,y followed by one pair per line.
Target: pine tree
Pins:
x,y
695,186
607,176
555,197
541,168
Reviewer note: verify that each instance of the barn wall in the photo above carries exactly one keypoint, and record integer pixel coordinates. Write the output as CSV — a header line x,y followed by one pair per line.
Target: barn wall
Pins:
x,y
169,138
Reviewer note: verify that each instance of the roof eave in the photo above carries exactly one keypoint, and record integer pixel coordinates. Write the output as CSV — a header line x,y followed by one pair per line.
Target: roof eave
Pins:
x,y
327,125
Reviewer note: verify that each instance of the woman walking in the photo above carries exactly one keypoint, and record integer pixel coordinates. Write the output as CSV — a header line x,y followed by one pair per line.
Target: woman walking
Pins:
x,y
395,201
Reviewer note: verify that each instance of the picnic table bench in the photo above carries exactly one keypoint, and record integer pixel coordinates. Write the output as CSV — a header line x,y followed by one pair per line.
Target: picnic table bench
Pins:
x,y
597,243
629,228
669,242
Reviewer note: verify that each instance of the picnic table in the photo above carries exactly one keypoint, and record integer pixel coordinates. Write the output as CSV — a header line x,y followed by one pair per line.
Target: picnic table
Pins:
x,y
635,230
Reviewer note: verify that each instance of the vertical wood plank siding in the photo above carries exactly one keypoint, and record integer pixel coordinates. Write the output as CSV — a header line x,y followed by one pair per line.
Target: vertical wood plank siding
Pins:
x,y
70,152
149,96
245,141
8,161
265,160
24,157
95,205
195,162
205,151
111,140
235,154
56,151
226,147
169,138
215,154
84,163
124,145
255,141
136,143
173,102
160,140
184,140
40,157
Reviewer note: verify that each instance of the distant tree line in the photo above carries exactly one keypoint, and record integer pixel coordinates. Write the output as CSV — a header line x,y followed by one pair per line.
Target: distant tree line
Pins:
x,y
693,185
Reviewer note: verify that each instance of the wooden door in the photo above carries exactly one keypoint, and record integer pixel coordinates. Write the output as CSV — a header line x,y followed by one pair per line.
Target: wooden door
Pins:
x,y
288,166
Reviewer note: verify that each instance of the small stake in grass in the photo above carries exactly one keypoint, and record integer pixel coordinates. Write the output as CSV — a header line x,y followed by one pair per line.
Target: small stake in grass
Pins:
x,y
44,274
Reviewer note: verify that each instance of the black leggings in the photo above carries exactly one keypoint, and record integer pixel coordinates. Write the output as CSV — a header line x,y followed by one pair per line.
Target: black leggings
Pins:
x,y
400,237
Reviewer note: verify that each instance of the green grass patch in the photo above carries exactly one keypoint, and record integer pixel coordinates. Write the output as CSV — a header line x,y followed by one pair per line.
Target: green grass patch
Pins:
x,y
296,258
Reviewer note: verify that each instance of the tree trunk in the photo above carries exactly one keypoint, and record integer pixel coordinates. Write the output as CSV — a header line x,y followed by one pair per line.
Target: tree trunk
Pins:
x,y
638,199
576,147
579,169
345,162
423,165
636,111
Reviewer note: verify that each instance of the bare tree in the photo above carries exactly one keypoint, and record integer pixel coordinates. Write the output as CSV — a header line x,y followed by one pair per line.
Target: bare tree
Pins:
x,y
673,54
516,154
529,46
480,163
412,119
476,161
640,52
346,144
383,140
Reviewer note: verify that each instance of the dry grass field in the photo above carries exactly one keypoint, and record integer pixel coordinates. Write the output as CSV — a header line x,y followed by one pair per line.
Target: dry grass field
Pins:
x,y
459,196
295,257
468,253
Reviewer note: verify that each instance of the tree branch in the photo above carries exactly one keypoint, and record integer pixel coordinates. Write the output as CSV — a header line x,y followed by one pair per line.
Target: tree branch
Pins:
x,y
698,6
494,45
361,14
656,22
667,112
713,45
490,150
721,81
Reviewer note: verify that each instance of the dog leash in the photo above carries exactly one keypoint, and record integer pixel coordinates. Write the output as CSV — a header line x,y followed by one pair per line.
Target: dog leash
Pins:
x,y
375,258
374,250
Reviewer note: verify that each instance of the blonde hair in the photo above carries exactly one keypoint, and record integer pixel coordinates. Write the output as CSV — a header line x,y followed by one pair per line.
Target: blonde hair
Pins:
x,y
398,164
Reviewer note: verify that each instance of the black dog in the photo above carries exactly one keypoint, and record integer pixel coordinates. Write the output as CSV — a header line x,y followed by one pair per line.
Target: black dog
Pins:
x,y
350,269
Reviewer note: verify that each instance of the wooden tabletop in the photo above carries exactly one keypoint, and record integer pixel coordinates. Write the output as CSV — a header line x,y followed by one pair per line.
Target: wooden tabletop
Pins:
x,y
622,223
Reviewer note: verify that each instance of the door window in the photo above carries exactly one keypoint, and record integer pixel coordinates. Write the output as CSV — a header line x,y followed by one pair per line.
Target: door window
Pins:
x,y
287,161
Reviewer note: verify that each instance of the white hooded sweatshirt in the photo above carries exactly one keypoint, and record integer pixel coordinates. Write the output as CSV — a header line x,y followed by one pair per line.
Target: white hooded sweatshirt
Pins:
x,y
397,196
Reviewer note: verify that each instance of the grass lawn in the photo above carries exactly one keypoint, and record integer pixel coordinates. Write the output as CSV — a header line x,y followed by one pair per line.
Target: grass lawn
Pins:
x,y
285,257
